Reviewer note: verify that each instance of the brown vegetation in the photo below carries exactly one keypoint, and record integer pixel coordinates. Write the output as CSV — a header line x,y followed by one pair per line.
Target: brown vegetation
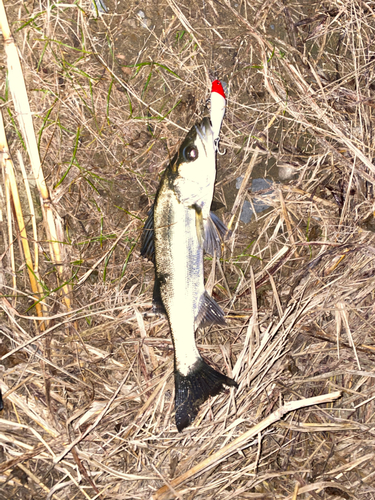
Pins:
x,y
86,371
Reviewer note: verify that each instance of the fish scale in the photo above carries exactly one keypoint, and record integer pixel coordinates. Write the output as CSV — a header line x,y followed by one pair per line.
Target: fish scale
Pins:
x,y
179,258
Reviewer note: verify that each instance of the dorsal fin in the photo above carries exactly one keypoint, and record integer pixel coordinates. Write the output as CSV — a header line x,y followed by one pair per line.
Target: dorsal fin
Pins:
x,y
147,237
157,304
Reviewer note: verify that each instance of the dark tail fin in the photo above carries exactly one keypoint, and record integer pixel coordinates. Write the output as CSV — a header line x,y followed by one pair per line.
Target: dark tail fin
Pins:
x,y
193,389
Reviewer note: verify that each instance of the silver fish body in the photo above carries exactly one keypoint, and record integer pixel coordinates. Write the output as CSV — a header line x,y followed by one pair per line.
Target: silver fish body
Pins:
x,y
183,228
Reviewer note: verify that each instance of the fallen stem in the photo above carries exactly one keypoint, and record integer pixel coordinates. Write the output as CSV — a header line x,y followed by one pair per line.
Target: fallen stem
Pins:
x,y
242,441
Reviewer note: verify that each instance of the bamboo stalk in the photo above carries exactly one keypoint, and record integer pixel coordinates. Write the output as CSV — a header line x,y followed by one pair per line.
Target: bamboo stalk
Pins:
x,y
9,217
12,194
21,103
9,172
32,212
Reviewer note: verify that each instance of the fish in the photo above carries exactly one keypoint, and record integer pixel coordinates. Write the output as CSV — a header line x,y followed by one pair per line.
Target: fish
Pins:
x,y
178,230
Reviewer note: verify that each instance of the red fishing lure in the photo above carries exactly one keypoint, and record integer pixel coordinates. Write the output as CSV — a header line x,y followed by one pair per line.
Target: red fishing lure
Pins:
x,y
218,102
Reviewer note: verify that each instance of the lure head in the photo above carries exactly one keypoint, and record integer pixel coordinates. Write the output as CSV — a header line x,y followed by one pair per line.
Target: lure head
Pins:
x,y
218,88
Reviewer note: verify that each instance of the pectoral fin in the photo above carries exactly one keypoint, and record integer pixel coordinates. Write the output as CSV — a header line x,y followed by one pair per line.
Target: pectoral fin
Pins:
x,y
210,233
199,224
214,234
221,228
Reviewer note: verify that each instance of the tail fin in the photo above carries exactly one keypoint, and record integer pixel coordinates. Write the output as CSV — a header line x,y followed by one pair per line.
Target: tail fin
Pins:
x,y
193,389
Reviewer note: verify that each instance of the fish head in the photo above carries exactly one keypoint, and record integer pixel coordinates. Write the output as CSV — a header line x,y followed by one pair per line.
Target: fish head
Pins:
x,y
195,166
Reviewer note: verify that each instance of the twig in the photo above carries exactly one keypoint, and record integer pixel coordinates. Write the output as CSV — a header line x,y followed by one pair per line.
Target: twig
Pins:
x,y
242,441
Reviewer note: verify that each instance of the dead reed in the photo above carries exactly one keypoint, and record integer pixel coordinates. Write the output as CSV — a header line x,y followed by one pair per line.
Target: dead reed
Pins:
x,y
86,372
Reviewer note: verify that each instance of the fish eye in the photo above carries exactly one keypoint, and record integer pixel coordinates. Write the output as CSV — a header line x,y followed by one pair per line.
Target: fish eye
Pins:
x,y
190,153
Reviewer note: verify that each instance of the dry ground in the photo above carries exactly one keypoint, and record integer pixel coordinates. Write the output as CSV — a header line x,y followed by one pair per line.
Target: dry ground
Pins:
x,y
88,392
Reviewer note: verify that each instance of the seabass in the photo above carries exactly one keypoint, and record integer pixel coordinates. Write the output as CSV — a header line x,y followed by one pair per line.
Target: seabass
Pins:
x,y
178,230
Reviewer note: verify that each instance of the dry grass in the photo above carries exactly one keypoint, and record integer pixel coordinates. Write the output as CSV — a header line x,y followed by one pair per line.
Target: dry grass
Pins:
x,y
88,387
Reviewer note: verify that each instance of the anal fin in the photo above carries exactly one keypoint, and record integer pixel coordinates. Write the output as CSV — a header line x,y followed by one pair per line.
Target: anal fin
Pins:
x,y
210,313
